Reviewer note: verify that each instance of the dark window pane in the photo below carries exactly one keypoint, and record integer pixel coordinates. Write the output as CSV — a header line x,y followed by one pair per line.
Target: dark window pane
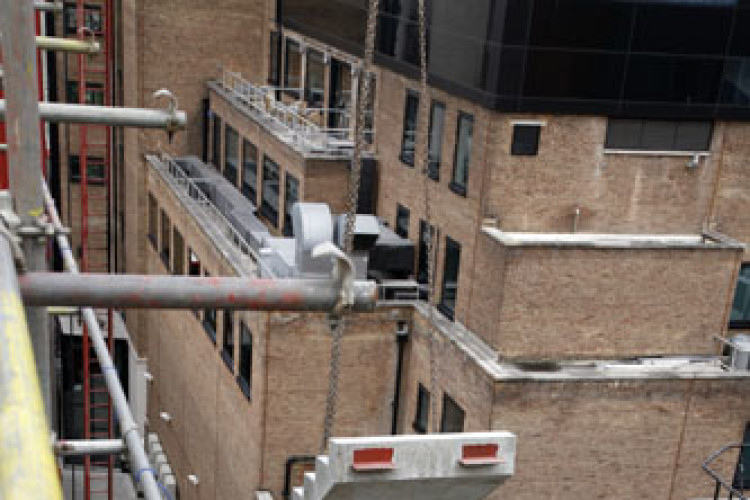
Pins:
x,y
166,231
693,136
411,107
741,480
681,27
293,69
315,79
740,316
659,135
245,376
564,74
402,221
231,155
735,87
227,347
340,94
96,169
269,208
450,277
250,171
676,80
194,266
273,58
216,148
422,414
209,321
427,237
291,196
178,253
437,124
153,221
525,140
624,134
740,45
462,158
453,416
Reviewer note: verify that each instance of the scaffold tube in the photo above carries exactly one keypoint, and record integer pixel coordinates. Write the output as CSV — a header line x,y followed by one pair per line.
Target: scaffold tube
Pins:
x,y
27,466
143,473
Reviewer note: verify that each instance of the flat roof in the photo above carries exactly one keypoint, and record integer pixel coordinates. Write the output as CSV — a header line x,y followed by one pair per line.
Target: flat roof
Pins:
x,y
614,240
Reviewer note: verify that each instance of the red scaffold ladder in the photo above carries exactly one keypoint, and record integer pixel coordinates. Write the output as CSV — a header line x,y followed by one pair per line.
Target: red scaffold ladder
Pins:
x,y
95,162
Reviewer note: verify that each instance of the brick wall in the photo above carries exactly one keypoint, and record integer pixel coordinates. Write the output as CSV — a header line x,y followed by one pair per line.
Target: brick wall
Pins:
x,y
561,302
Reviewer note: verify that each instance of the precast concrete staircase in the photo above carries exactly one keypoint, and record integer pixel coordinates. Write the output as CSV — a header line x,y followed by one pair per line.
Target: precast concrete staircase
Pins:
x,y
435,467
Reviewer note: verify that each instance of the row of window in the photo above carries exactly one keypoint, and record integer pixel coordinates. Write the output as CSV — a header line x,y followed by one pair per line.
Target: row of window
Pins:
x,y
168,242
270,192
452,419
451,262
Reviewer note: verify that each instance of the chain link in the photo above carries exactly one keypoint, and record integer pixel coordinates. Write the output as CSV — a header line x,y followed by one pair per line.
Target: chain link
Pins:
x,y
365,79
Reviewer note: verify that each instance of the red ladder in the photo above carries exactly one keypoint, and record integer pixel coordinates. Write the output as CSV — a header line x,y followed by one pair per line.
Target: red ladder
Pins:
x,y
95,150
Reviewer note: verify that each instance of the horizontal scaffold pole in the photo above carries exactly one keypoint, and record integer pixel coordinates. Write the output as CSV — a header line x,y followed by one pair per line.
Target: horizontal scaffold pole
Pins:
x,y
49,6
182,292
54,112
89,447
58,44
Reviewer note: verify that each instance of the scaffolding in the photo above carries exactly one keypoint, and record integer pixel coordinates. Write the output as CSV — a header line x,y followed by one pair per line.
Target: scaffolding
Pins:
x,y
27,465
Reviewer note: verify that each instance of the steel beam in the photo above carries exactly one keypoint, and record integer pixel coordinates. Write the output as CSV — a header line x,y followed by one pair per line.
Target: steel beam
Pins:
x,y
27,467
73,45
139,464
54,112
182,292
90,447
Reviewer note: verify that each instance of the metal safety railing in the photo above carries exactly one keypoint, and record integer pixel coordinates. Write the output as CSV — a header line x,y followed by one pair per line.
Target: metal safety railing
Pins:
x,y
736,488
287,120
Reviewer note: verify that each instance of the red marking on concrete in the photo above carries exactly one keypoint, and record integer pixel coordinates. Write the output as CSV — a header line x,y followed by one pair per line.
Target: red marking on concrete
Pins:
x,y
373,460
479,454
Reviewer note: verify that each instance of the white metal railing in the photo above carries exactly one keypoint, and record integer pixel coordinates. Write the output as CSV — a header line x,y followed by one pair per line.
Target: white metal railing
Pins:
x,y
288,121
177,177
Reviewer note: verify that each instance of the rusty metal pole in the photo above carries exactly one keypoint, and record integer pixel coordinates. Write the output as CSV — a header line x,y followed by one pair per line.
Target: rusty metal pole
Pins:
x,y
25,162
183,292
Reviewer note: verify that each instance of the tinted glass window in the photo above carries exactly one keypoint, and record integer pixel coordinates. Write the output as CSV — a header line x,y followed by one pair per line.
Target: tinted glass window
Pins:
x,y
450,277
231,155
315,79
269,208
178,260
402,221
453,416
166,233
250,171
293,69
437,125
422,413
227,347
659,135
740,316
525,140
340,95
245,376
153,220
216,148
410,128
681,27
273,58
291,196
462,159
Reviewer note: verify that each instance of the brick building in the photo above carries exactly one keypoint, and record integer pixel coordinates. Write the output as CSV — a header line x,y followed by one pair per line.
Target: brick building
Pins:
x,y
588,195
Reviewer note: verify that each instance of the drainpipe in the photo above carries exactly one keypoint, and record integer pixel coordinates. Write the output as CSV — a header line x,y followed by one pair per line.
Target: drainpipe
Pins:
x,y
576,217
290,462
402,337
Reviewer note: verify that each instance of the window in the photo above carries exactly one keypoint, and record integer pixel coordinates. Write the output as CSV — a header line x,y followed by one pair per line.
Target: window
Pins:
x,y
216,148
408,140
453,416
96,172
659,135
94,93
92,18
741,480
426,236
231,155
437,124
209,320
402,221
245,376
293,69
291,196
269,208
340,94
178,260
273,59
227,347
315,79
153,221
525,140
740,315
422,414
166,231
194,269
450,277
250,171
464,135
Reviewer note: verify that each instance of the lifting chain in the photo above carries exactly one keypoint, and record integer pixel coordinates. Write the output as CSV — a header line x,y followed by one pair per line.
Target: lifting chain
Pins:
x,y
338,324
423,165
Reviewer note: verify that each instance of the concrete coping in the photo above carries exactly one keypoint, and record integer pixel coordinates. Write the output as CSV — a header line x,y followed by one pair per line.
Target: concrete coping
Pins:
x,y
704,241
646,368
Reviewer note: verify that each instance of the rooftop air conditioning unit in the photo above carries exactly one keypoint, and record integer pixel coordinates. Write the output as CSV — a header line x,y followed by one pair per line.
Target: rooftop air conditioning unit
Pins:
x,y
741,352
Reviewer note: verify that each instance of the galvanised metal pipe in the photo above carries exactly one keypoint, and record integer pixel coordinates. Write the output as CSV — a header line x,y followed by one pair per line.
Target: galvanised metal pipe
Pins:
x,y
139,464
58,44
49,6
89,447
55,112
183,292
27,466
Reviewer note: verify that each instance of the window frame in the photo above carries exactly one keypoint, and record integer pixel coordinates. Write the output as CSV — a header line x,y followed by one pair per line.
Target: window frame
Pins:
x,y
433,164
412,97
231,133
740,324
74,174
421,422
267,210
518,147
314,56
448,311
165,247
153,222
289,179
456,185
249,191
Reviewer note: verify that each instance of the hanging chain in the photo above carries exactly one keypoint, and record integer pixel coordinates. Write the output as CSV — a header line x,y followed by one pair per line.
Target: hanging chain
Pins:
x,y
365,78
423,166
